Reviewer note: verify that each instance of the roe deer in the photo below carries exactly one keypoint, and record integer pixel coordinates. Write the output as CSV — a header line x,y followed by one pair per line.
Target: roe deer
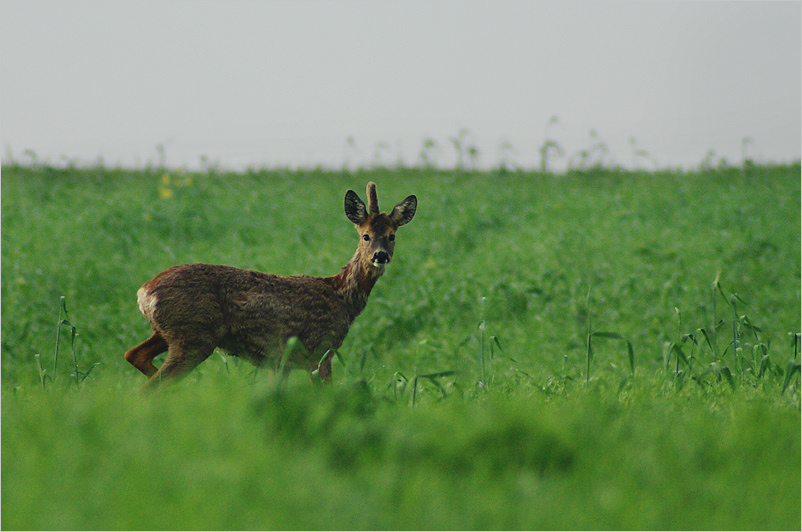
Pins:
x,y
194,308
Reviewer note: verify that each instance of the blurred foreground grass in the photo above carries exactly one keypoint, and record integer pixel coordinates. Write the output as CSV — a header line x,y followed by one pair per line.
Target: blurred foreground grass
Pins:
x,y
223,455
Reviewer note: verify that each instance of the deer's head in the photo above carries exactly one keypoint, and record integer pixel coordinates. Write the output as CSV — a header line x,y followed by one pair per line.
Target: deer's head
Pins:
x,y
377,229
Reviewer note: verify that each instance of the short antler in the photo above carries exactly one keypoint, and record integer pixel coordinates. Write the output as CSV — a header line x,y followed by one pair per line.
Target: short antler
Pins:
x,y
373,199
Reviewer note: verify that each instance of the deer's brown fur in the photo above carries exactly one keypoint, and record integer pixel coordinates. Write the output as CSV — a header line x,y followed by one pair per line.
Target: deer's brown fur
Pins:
x,y
194,308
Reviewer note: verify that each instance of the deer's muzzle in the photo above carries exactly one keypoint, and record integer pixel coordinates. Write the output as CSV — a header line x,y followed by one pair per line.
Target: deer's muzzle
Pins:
x,y
380,258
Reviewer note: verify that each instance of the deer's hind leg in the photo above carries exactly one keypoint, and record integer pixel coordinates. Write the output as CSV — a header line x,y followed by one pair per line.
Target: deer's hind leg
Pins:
x,y
141,356
182,357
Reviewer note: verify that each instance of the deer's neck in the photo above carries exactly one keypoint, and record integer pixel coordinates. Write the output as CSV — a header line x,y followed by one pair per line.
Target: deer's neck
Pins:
x,y
354,284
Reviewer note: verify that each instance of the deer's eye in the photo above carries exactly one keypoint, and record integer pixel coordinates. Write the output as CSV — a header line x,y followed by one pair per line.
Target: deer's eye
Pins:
x,y
391,238
366,238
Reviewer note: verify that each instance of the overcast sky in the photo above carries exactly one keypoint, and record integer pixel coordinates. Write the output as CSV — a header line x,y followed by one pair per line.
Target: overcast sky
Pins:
x,y
268,83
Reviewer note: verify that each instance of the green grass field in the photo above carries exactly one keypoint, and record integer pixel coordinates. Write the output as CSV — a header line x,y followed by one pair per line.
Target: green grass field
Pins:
x,y
465,396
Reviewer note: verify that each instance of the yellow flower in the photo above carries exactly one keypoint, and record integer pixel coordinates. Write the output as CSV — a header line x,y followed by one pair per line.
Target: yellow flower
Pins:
x,y
164,190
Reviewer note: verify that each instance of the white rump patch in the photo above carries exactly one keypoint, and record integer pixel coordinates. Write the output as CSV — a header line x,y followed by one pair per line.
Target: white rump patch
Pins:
x,y
147,302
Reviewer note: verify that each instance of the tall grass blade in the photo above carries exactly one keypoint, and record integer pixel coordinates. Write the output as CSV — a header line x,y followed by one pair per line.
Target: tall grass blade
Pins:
x,y
616,336
336,354
589,357
765,361
363,359
482,327
725,371
225,361
713,331
589,337
62,308
73,334
431,377
791,368
495,340
293,344
399,381
42,372
710,342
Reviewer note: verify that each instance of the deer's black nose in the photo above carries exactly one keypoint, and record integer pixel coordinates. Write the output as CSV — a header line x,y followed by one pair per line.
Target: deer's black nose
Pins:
x,y
381,257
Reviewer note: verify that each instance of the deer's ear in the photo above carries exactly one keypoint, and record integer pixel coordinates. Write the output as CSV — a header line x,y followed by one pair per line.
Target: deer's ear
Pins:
x,y
354,208
403,212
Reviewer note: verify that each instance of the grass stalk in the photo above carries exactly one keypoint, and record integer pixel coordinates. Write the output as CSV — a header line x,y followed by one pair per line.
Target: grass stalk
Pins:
x,y
482,327
589,337
42,371
713,332
62,307
73,334
792,367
